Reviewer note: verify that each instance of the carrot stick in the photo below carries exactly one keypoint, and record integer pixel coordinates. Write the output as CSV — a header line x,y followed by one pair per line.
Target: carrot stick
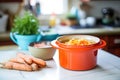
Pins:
x,y
24,67
17,60
7,65
17,66
40,62
27,59
34,67
24,62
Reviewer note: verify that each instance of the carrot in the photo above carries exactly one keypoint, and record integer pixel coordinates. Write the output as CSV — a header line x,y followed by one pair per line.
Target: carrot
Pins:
x,y
17,60
24,62
7,65
17,66
24,67
34,67
40,62
27,59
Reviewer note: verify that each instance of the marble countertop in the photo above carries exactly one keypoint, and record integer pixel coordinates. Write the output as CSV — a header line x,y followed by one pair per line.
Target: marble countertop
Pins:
x,y
108,68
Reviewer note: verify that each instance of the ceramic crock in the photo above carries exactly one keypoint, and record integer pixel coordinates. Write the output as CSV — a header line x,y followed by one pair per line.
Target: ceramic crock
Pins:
x,y
78,57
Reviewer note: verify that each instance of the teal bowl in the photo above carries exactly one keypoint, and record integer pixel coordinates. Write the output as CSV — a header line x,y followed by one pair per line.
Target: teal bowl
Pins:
x,y
49,37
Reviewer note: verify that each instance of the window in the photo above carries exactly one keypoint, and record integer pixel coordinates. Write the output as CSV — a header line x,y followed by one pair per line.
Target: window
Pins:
x,y
52,6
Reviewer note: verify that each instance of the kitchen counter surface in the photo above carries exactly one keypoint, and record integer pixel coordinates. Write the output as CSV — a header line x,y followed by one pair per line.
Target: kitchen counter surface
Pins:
x,y
67,30
108,68
91,31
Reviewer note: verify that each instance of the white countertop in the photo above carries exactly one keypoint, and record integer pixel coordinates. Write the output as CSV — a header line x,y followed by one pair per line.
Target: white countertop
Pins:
x,y
108,68
94,31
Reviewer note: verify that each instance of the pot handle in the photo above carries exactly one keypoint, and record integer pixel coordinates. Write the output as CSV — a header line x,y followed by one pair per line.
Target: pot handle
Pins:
x,y
13,37
54,45
101,45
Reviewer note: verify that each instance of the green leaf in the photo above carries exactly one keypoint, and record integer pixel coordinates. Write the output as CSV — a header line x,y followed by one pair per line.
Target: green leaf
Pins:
x,y
26,25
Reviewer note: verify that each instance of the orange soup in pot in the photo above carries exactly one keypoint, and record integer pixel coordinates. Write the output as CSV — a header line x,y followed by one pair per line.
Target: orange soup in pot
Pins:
x,y
80,42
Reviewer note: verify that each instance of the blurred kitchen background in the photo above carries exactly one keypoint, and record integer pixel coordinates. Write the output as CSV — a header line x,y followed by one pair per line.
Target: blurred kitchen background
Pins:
x,y
94,17
75,13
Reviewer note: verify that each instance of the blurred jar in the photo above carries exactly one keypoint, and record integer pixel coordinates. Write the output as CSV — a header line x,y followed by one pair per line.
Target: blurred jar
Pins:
x,y
79,13
83,23
90,21
38,10
71,20
52,21
108,16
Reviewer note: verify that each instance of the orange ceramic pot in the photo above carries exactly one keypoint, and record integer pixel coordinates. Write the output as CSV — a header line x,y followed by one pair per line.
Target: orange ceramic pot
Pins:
x,y
78,57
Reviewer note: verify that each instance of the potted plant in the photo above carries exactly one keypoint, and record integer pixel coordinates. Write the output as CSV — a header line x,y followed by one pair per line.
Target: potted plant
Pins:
x,y
25,30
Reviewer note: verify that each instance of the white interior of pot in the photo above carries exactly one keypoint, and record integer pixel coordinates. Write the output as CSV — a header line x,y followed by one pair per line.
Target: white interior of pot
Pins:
x,y
64,39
